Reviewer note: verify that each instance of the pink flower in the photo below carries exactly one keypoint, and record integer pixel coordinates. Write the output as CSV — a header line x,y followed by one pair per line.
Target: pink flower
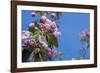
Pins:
x,y
26,34
40,39
52,53
84,36
57,34
33,14
53,16
49,54
44,44
31,25
28,42
43,19
48,51
44,27
32,42
48,21
49,27
56,53
53,27
25,42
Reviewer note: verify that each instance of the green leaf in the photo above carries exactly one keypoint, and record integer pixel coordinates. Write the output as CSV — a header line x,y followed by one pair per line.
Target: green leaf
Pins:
x,y
52,40
43,54
35,36
42,13
37,23
39,32
25,55
49,43
36,57
32,30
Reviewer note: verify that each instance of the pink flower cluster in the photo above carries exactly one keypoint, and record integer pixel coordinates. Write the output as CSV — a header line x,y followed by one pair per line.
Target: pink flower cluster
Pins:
x,y
25,34
85,40
47,25
26,40
52,53
29,42
38,39
48,50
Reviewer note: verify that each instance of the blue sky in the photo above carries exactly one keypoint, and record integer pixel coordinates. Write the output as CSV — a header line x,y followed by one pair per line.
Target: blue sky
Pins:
x,y
71,25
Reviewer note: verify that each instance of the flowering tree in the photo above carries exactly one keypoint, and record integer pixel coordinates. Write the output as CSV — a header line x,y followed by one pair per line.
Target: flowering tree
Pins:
x,y
85,40
85,45
41,39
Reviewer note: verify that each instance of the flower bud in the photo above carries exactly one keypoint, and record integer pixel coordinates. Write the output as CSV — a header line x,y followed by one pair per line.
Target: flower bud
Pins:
x,y
32,42
44,44
31,25
84,36
57,34
26,34
53,16
25,42
43,19
33,14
